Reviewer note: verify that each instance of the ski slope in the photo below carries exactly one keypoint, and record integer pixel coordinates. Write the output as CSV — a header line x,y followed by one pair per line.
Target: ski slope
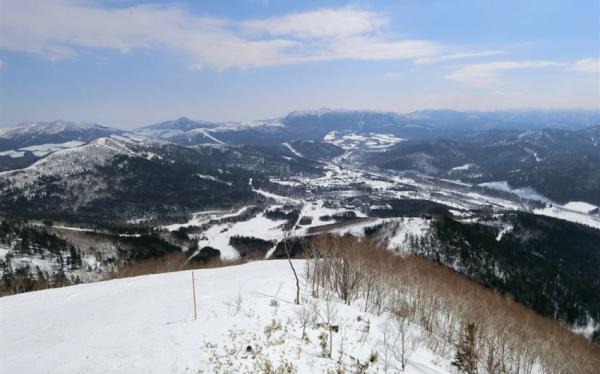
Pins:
x,y
146,325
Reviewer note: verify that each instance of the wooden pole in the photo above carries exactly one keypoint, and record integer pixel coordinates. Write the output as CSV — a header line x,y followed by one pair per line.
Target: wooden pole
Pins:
x,y
194,292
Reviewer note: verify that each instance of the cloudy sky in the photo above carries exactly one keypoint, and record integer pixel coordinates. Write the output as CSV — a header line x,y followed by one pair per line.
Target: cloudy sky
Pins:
x,y
127,63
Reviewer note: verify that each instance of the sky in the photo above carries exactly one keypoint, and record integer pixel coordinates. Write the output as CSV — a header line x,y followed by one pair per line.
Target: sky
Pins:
x,y
127,63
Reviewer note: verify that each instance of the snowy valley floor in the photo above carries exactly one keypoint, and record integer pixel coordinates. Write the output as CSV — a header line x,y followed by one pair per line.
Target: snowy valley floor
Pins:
x,y
145,325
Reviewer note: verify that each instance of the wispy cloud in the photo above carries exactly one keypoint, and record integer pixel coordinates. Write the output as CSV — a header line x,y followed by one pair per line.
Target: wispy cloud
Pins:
x,y
587,65
489,72
507,93
457,56
64,28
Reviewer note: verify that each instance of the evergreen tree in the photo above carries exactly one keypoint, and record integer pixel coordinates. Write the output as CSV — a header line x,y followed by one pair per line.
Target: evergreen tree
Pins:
x,y
75,258
466,356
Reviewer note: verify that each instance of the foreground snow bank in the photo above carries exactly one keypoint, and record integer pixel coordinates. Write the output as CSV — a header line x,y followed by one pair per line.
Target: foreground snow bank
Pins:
x,y
145,325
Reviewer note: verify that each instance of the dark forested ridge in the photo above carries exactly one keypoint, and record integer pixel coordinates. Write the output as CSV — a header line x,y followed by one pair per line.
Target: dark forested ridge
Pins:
x,y
545,263
563,165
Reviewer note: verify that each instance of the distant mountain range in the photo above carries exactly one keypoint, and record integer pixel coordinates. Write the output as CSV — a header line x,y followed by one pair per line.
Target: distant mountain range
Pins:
x,y
65,165
563,165
34,133
314,125
304,125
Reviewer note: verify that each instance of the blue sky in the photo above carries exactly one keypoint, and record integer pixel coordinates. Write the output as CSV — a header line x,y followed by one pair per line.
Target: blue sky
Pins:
x,y
129,63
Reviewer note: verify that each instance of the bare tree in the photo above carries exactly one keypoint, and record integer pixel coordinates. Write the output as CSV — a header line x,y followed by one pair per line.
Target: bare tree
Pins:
x,y
304,315
406,341
289,257
345,273
328,314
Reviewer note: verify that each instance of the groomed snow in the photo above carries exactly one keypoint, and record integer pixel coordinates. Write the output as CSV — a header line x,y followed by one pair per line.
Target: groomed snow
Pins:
x,y
278,198
580,206
218,236
569,215
464,167
291,149
145,325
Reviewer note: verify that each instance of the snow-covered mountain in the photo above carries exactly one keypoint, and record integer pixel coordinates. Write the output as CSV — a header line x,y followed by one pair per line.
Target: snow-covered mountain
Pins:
x,y
168,129
22,145
316,124
561,164
110,175
192,132
518,119
56,132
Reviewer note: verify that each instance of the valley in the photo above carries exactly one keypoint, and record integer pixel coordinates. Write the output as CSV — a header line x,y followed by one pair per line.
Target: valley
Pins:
x,y
133,197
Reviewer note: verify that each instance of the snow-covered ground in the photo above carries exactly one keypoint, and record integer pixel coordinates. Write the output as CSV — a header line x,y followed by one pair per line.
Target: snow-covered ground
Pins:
x,y
344,180
42,149
569,215
403,229
372,141
146,325
581,207
292,149
13,154
218,236
201,218
524,192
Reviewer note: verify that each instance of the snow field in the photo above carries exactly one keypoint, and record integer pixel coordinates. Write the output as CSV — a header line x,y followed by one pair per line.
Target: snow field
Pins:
x,y
145,325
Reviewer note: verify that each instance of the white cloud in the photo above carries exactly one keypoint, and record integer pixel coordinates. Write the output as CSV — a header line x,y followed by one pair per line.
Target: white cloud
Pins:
x,y
322,23
60,29
488,72
587,65
65,28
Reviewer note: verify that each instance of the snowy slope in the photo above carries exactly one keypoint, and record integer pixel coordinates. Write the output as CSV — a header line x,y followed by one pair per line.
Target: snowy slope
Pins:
x,y
48,128
580,206
291,149
41,150
50,136
559,212
70,161
145,325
